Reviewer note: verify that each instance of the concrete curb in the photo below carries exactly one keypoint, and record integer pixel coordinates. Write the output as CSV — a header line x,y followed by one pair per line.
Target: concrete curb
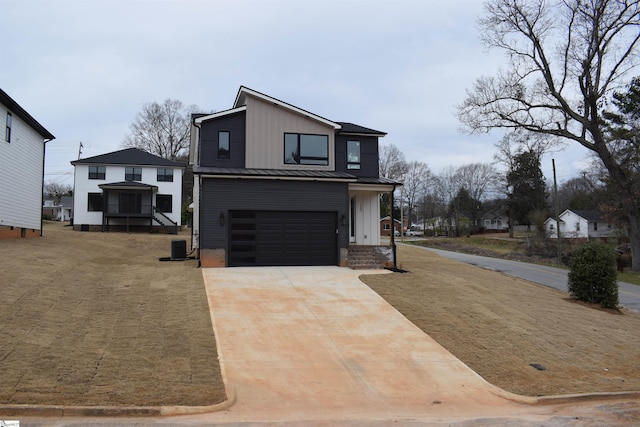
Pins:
x,y
113,411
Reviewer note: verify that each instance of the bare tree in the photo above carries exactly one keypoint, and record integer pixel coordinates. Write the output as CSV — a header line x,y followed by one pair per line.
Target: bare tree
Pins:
x,y
392,163
416,181
161,129
56,190
566,60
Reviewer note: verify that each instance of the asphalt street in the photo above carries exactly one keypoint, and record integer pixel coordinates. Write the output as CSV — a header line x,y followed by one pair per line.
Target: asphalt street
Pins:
x,y
628,294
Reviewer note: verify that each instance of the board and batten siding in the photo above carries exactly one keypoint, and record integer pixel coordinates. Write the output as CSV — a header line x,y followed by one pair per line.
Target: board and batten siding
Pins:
x,y
219,196
21,163
266,125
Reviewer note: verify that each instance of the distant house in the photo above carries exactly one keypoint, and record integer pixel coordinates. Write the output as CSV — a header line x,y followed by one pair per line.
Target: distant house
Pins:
x,y
385,226
22,152
493,221
580,224
58,211
127,189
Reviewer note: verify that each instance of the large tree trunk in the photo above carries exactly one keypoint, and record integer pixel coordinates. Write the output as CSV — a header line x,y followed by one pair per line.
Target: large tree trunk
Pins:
x,y
625,191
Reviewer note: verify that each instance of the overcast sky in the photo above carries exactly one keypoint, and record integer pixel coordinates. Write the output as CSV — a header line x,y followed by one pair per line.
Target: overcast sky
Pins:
x,y
85,68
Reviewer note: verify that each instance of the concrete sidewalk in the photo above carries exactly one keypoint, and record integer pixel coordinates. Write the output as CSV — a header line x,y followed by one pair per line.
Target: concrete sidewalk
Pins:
x,y
315,343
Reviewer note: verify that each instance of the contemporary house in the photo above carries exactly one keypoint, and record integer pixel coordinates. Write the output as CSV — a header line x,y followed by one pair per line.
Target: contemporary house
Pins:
x,y
22,153
580,224
278,185
127,190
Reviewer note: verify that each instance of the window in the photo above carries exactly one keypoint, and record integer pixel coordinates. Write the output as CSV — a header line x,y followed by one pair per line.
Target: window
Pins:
x,y
97,172
132,174
304,149
595,226
165,175
224,145
7,132
353,154
164,202
386,226
95,202
577,226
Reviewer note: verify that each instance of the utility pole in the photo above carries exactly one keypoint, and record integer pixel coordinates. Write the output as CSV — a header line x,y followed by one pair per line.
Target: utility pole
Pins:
x,y
80,150
555,197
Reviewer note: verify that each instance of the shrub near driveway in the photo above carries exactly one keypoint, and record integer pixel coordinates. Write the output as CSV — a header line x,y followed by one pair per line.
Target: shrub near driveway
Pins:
x,y
500,325
593,275
96,319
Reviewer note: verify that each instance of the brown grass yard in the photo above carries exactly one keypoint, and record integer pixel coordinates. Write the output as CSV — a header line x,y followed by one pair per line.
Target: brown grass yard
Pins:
x,y
96,319
499,325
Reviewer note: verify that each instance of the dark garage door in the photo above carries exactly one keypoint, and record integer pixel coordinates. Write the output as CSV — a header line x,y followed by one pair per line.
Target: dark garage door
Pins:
x,y
263,238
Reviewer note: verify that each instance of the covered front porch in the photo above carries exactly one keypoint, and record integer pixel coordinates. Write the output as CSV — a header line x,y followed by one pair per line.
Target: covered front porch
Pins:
x,y
365,249
129,206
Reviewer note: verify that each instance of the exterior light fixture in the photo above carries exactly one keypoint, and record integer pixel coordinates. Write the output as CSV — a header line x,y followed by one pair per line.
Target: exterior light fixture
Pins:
x,y
222,218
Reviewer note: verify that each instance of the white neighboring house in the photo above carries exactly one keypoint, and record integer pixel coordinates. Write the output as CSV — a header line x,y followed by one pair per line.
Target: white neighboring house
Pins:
x,y
580,224
127,189
58,211
22,152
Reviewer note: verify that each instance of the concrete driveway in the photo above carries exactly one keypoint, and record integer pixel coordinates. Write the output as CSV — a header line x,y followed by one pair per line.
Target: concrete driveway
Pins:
x,y
315,343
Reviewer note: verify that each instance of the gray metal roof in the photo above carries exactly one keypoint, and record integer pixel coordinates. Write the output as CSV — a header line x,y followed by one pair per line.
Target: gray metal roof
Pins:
x,y
15,108
129,156
292,173
273,173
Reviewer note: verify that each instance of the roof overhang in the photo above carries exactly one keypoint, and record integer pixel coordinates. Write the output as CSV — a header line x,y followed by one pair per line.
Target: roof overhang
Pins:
x,y
199,120
128,185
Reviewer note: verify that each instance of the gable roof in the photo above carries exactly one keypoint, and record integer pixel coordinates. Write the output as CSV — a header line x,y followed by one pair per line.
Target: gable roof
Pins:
x,y
129,156
589,215
15,108
244,91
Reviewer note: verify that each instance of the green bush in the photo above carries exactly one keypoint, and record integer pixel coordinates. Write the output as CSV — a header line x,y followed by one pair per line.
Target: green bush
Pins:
x,y
593,276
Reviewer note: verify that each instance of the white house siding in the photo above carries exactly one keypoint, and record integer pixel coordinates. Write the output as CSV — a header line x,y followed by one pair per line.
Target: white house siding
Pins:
x,y
367,217
83,186
266,126
20,174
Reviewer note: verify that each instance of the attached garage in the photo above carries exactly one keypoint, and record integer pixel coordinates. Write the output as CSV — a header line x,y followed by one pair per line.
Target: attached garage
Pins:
x,y
268,222
266,238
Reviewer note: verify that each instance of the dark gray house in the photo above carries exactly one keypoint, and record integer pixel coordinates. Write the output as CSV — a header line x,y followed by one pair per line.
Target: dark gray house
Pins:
x,y
277,185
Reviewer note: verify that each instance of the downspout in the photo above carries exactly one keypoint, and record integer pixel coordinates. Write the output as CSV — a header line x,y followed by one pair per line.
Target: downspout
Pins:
x,y
392,231
196,158
44,154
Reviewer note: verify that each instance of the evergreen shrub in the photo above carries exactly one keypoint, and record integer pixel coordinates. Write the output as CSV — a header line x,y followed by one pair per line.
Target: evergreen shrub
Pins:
x,y
593,276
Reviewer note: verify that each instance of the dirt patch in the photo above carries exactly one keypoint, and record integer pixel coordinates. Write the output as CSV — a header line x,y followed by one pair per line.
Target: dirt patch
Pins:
x,y
97,319
505,328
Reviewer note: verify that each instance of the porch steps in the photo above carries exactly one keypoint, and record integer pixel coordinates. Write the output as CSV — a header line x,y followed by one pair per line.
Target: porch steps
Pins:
x,y
363,258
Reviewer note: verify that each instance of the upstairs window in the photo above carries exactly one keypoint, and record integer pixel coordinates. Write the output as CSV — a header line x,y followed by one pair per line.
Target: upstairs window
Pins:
x,y
97,172
224,145
132,174
304,149
353,154
7,132
165,175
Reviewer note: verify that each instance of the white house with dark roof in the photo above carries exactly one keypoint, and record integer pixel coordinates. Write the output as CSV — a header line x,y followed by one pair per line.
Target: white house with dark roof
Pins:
x,y
22,153
580,224
127,190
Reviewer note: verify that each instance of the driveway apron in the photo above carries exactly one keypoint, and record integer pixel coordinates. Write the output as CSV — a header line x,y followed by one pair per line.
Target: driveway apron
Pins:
x,y
316,343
